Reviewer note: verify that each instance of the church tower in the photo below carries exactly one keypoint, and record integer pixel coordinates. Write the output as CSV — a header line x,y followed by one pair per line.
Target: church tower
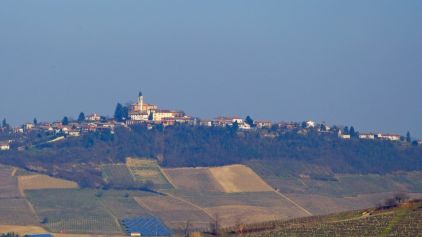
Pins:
x,y
140,101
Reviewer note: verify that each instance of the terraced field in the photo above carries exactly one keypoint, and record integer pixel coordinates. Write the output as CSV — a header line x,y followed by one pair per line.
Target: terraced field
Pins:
x,y
148,170
73,211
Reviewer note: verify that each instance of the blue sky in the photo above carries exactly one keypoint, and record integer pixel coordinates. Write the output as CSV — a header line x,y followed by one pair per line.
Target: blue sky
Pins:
x,y
344,62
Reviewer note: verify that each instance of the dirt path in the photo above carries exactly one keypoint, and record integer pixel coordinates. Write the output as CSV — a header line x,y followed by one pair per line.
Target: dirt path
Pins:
x,y
22,193
293,202
167,177
14,171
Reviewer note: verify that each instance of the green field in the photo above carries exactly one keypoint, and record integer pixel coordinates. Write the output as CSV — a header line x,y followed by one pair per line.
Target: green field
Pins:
x,y
145,170
117,174
73,211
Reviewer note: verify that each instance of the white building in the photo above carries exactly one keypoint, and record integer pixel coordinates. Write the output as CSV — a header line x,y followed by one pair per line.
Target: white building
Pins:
x,y
4,146
93,117
343,136
367,136
389,137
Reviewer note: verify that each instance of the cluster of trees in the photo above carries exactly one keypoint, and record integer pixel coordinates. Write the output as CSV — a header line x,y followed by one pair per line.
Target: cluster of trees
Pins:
x,y
188,146
121,113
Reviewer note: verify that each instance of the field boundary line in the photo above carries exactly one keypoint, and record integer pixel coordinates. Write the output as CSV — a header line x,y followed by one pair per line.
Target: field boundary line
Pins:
x,y
293,202
14,171
191,204
167,177
116,220
130,172
22,193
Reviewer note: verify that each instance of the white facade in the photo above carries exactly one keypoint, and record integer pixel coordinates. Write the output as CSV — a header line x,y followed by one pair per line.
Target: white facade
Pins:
x,y
368,136
4,146
390,137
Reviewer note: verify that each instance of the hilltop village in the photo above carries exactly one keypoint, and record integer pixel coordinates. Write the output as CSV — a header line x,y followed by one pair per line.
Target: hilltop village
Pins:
x,y
150,115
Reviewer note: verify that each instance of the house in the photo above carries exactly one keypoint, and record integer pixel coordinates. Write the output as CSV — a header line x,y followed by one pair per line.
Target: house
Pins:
x,y
367,136
389,137
4,146
205,122
74,133
93,117
343,135
263,124
310,124
288,125
227,121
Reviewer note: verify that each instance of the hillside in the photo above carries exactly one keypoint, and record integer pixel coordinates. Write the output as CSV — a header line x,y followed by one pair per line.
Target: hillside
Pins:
x,y
79,158
403,220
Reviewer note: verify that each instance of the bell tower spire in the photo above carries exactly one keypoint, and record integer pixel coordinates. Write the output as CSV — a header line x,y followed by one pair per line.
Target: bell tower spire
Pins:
x,y
140,101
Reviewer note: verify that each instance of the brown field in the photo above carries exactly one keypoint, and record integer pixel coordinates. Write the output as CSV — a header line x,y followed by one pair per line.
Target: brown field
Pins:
x,y
194,179
239,178
22,230
175,212
8,183
16,211
231,215
33,182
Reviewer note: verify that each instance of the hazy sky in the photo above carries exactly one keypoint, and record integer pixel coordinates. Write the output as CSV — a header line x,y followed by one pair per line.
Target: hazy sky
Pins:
x,y
344,62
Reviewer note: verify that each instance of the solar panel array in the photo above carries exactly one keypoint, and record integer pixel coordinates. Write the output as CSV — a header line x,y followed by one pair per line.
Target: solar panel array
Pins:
x,y
146,225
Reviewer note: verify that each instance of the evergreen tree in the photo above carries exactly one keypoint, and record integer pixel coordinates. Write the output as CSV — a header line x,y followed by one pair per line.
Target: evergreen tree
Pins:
x,y
125,112
81,117
65,120
235,126
249,121
151,116
35,121
346,130
118,112
408,137
352,132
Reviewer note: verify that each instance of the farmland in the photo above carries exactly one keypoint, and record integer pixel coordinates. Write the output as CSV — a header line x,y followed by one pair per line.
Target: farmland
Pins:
x,y
238,178
73,211
14,209
117,174
8,183
405,220
175,212
245,207
122,203
32,182
145,170
193,179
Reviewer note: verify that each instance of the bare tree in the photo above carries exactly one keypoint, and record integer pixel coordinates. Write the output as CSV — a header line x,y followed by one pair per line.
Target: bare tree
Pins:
x,y
240,227
187,228
215,225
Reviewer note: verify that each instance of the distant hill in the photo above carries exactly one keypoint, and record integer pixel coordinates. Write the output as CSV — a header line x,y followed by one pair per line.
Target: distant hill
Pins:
x,y
187,146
